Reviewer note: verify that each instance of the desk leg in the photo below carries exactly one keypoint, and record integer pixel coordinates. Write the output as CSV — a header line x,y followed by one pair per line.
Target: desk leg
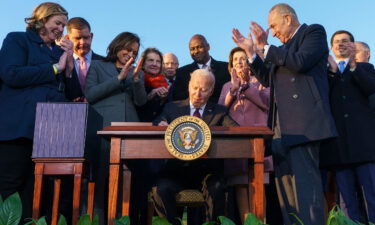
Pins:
x,y
56,200
258,180
114,169
38,183
126,190
113,192
76,191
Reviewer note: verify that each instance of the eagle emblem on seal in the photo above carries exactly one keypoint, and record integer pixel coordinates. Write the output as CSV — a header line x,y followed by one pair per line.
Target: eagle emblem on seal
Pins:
x,y
188,137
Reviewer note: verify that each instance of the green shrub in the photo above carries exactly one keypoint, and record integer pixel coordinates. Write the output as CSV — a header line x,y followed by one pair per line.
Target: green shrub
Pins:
x,y
10,210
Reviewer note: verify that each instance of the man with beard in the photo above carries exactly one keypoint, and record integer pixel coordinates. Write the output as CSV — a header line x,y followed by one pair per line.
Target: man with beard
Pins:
x,y
79,32
199,48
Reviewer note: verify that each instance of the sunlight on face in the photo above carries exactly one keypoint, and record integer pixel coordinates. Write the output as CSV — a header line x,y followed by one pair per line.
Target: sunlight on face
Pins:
x,y
125,54
340,45
152,63
280,26
81,40
200,90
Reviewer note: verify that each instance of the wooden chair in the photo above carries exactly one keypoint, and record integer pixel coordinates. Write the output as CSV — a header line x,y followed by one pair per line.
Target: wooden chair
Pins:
x,y
59,149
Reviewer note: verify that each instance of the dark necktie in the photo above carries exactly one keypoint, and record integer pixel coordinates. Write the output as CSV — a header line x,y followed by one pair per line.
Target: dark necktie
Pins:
x,y
197,113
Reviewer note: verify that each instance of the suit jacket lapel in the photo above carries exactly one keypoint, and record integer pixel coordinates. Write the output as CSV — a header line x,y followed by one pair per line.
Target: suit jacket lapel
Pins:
x,y
208,112
213,65
184,110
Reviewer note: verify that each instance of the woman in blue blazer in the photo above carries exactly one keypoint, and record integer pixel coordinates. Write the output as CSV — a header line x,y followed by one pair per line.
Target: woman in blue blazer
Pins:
x,y
31,71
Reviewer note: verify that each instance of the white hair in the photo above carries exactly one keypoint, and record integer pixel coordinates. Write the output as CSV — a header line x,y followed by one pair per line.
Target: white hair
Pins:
x,y
203,73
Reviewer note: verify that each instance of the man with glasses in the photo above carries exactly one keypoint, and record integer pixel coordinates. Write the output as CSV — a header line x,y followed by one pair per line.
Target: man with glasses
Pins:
x,y
300,114
170,66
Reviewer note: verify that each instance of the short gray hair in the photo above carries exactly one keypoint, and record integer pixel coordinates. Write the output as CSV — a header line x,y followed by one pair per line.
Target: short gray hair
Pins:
x,y
364,45
283,8
203,73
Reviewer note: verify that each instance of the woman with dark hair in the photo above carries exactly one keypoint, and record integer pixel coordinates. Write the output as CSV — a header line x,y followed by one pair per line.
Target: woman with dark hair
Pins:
x,y
31,71
155,83
247,101
114,88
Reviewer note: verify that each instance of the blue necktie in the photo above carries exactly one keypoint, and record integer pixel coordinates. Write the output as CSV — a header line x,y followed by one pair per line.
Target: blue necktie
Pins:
x,y
341,66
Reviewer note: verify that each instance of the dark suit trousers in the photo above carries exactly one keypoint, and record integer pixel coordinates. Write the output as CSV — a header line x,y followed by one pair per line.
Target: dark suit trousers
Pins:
x,y
347,179
298,182
212,187
16,172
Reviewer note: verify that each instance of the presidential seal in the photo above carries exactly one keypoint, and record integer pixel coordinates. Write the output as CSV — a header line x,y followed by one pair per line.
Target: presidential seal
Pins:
x,y
187,137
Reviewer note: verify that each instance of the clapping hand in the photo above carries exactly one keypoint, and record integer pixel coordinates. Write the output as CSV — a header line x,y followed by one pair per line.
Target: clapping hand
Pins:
x,y
67,46
260,35
247,44
332,66
162,92
235,81
351,62
137,69
125,70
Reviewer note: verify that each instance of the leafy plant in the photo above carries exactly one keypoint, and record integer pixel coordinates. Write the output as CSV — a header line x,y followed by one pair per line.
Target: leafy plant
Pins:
x,y
225,221
209,223
122,221
252,220
10,210
160,221
298,219
85,220
337,217
42,221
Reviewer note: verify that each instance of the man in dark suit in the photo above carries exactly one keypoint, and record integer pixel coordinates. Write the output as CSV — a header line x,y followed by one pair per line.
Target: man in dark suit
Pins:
x,y
352,156
79,32
176,175
301,117
199,48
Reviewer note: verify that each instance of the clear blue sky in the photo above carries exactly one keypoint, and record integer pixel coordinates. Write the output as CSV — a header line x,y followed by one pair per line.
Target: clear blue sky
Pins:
x,y
169,24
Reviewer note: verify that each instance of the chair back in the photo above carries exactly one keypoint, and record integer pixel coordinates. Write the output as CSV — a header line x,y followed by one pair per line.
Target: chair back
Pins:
x,y
60,130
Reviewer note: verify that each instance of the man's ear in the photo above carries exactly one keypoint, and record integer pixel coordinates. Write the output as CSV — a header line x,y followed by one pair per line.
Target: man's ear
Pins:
x,y
208,47
92,35
288,19
212,91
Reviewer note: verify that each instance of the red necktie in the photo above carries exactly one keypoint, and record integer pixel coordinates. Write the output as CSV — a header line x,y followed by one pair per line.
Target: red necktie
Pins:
x,y
197,113
82,72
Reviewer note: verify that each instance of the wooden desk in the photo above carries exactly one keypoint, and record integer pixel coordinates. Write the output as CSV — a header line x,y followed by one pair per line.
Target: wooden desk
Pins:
x,y
147,142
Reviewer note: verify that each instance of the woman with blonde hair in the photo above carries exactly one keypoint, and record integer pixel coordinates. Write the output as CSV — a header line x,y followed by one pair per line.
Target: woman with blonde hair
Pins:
x,y
31,70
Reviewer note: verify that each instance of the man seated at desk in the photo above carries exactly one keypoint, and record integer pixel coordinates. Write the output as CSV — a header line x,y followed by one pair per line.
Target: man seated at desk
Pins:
x,y
205,174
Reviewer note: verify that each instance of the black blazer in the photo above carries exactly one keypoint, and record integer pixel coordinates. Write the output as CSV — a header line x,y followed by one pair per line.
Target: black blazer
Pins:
x,y
354,118
73,88
213,115
180,88
297,74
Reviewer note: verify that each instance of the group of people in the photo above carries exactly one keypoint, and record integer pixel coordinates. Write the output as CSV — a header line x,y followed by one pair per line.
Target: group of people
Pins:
x,y
320,108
